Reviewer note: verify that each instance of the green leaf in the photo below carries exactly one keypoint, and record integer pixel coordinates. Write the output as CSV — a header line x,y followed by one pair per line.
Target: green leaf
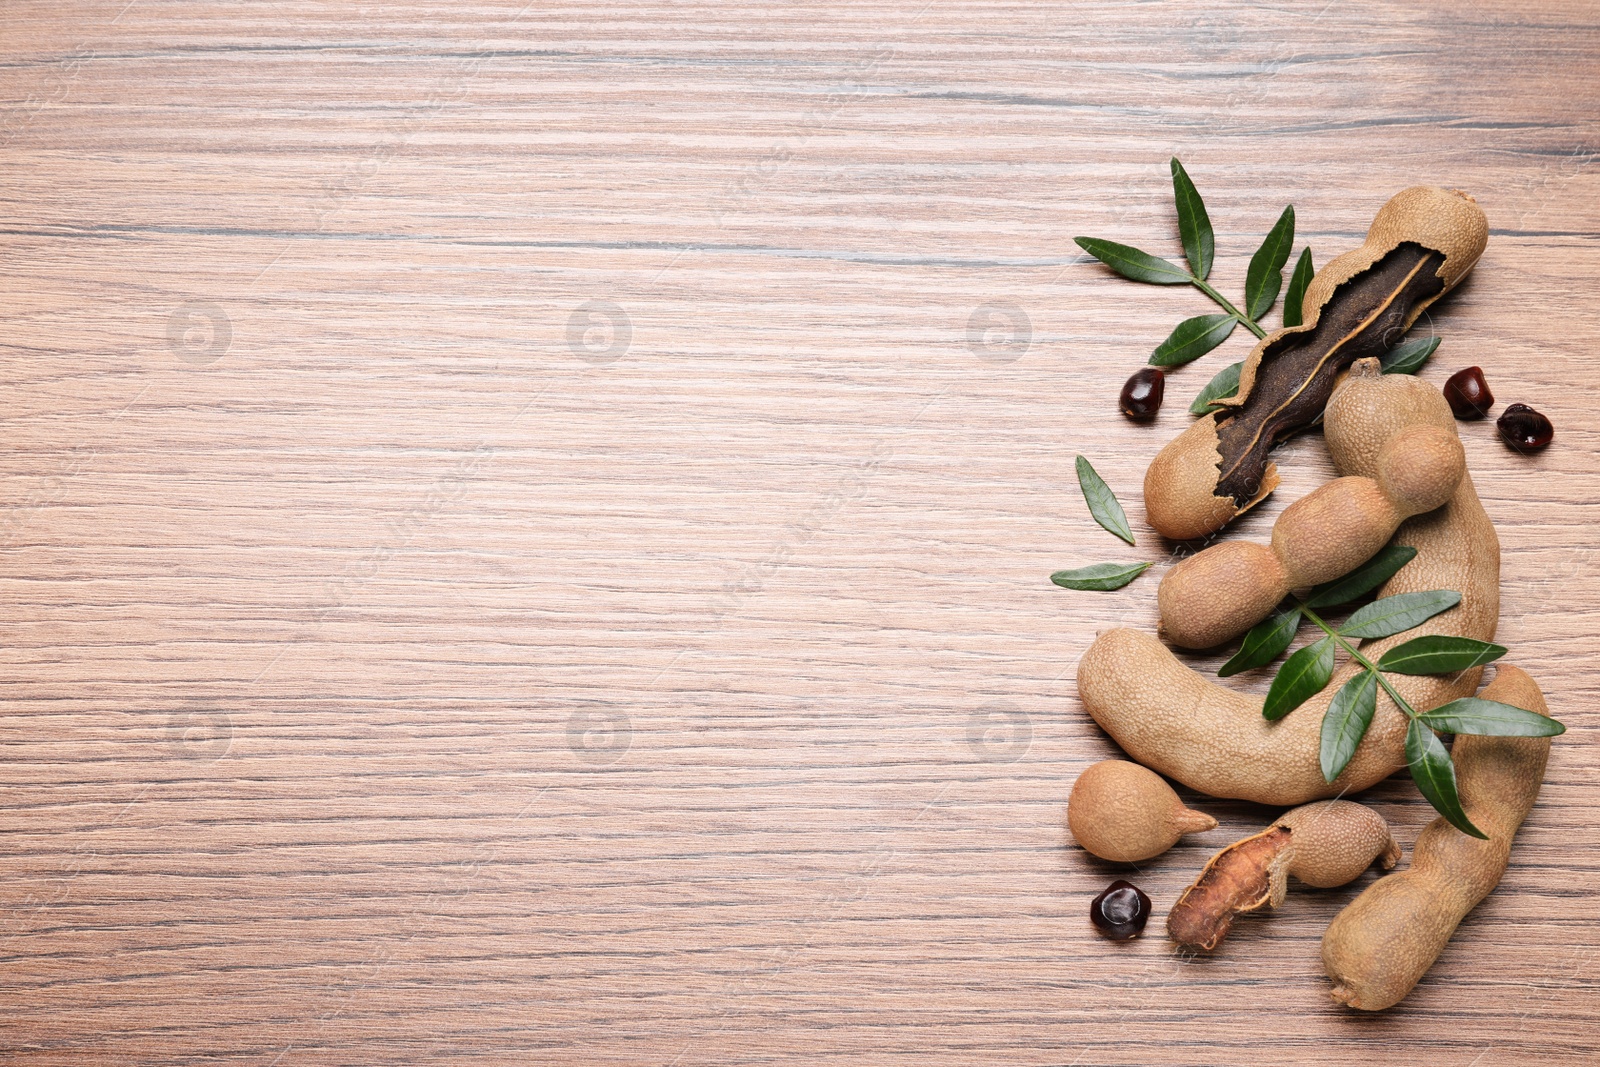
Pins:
x,y
1265,276
1192,338
1226,383
1301,677
1102,501
1435,775
1346,720
1264,643
1408,357
1439,654
1194,225
1132,263
1474,715
1294,312
1396,614
1100,575
1363,580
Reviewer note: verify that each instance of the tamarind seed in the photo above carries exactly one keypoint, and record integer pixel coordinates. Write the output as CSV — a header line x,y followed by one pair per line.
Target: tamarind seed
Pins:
x,y
1468,394
1141,396
1524,429
1121,911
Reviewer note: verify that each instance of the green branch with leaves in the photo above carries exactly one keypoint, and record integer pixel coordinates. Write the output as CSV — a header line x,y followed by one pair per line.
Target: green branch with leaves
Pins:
x,y
1194,337
1309,670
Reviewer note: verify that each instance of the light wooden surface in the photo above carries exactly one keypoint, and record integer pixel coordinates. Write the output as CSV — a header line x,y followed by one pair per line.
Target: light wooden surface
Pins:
x,y
527,528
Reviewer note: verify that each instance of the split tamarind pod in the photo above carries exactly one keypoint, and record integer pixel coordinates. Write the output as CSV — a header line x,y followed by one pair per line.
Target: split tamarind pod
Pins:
x,y
1224,590
1381,945
1420,245
1123,812
1212,738
1324,844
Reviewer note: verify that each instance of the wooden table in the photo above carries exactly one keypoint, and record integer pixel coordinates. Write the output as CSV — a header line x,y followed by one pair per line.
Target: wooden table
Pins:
x,y
527,526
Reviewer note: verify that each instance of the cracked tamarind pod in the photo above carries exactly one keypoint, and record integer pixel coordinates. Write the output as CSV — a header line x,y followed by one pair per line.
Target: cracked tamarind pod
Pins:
x,y
1420,245
1325,844
1221,592
1212,738
1384,941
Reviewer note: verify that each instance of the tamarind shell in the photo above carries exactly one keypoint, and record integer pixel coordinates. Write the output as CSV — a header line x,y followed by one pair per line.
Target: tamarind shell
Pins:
x,y
1324,844
1419,247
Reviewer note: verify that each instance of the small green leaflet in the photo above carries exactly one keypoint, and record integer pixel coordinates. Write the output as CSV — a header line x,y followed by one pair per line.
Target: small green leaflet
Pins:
x,y
1191,339
1474,715
1294,300
1132,263
1102,501
1264,643
1363,580
1301,677
1100,576
1439,654
1265,276
1435,775
1226,383
1407,358
1346,720
1194,225
1396,614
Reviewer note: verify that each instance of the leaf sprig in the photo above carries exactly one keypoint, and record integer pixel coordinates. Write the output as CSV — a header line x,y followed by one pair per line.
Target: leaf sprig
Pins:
x,y
1194,337
1351,711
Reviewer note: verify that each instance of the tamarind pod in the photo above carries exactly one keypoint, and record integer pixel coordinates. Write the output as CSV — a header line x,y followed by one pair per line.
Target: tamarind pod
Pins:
x,y
1420,245
1123,812
1212,738
1324,844
1384,941
1220,592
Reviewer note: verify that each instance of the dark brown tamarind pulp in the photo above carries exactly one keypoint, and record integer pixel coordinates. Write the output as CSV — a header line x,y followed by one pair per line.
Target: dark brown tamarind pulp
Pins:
x,y
1364,317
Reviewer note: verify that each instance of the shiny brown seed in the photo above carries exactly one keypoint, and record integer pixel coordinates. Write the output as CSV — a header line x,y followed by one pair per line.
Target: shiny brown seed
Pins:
x,y
1121,911
1141,396
1468,394
1524,429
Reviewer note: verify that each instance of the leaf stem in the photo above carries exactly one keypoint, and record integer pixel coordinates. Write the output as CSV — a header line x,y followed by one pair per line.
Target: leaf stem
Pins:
x,y
1399,700
1226,305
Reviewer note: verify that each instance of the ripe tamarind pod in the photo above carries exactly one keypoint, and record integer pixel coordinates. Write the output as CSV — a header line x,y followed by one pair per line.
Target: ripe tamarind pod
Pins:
x,y
1224,590
1123,812
1384,941
1324,844
1420,245
1213,739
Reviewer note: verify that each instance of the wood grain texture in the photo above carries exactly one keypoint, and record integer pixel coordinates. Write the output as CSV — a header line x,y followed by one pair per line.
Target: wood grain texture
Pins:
x,y
526,527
